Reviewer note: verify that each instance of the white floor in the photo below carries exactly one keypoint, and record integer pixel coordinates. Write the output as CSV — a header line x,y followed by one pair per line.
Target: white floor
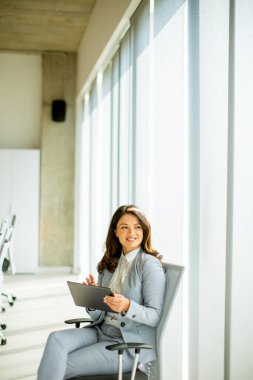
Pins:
x,y
43,303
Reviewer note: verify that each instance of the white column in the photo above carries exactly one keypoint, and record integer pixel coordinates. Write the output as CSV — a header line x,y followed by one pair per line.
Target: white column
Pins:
x,y
213,71
241,328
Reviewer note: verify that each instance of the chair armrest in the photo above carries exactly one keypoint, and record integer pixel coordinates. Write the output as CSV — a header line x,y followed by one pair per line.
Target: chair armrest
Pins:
x,y
78,321
126,346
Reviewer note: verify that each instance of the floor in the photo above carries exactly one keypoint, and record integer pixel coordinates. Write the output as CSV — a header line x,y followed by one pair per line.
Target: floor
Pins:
x,y
43,303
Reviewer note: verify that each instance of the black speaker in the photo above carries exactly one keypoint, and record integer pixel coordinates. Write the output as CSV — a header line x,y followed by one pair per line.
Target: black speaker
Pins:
x,y
58,110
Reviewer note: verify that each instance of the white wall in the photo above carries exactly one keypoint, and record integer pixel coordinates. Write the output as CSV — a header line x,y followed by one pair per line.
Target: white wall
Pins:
x,y
19,192
20,100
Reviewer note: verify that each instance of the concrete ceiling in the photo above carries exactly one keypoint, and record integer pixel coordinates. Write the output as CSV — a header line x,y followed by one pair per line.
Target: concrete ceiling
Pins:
x,y
43,25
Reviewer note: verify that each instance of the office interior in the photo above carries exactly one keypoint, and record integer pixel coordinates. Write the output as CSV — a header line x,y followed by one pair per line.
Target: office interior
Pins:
x,y
158,114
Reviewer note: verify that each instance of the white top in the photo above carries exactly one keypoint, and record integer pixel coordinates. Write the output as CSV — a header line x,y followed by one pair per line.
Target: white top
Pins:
x,y
117,282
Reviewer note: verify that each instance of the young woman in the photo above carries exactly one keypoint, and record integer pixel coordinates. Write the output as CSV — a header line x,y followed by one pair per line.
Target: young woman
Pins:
x,y
132,269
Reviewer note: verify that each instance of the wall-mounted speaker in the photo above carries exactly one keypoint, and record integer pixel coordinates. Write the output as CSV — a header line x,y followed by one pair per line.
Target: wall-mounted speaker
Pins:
x,y
58,110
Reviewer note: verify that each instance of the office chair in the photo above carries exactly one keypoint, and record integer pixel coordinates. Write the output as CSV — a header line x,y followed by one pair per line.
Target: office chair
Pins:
x,y
9,235
6,259
151,370
3,231
3,251
11,238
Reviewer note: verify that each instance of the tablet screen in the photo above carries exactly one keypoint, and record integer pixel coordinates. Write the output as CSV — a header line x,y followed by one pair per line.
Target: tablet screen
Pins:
x,y
89,296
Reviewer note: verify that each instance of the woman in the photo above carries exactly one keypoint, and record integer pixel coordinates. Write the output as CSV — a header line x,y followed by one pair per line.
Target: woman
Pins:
x,y
132,269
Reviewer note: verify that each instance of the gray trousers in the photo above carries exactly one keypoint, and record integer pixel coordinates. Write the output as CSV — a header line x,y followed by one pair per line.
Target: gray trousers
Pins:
x,y
76,352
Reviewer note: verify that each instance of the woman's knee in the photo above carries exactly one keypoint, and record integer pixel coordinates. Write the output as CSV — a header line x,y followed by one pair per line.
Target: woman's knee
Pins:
x,y
55,337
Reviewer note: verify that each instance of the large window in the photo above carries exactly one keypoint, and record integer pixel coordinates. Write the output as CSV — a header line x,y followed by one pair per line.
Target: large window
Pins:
x,y
133,140
186,161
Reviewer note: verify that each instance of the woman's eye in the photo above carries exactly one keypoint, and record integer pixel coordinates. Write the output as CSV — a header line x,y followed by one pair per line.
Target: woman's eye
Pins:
x,y
139,227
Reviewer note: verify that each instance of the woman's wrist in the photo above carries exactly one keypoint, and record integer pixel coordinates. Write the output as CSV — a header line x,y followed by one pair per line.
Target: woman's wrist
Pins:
x,y
126,306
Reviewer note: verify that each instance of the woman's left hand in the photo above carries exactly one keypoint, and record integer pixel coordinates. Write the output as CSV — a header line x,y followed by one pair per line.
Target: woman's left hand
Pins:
x,y
117,302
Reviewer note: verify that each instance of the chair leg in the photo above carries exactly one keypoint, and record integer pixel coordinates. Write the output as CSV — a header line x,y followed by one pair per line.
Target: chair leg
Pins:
x,y
135,365
120,365
3,339
9,297
2,325
2,306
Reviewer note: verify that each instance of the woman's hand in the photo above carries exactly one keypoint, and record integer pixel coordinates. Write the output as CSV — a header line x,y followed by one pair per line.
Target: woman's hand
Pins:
x,y
90,280
117,303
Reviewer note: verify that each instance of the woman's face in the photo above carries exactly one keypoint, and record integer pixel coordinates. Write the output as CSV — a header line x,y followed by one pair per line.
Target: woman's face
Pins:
x,y
130,232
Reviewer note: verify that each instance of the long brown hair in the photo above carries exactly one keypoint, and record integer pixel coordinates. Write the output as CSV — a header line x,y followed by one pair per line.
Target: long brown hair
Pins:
x,y
113,246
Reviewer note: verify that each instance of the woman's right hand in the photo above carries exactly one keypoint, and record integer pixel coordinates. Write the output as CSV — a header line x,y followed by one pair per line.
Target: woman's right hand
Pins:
x,y
90,280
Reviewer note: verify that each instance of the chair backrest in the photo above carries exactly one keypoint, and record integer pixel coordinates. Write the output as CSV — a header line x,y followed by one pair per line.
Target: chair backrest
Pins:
x,y
10,237
3,252
13,220
3,229
8,234
173,274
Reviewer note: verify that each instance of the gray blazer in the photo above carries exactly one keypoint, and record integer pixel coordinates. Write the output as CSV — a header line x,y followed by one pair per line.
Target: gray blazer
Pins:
x,y
144,286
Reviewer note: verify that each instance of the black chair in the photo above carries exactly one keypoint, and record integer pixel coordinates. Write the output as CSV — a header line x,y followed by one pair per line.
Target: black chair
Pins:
x,y
151,370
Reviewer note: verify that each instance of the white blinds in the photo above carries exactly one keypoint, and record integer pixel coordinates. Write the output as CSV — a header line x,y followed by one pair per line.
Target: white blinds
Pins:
x,y
134,125
134,148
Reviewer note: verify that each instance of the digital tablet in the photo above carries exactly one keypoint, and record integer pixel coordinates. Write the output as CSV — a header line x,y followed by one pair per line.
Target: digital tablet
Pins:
x,y
89,296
